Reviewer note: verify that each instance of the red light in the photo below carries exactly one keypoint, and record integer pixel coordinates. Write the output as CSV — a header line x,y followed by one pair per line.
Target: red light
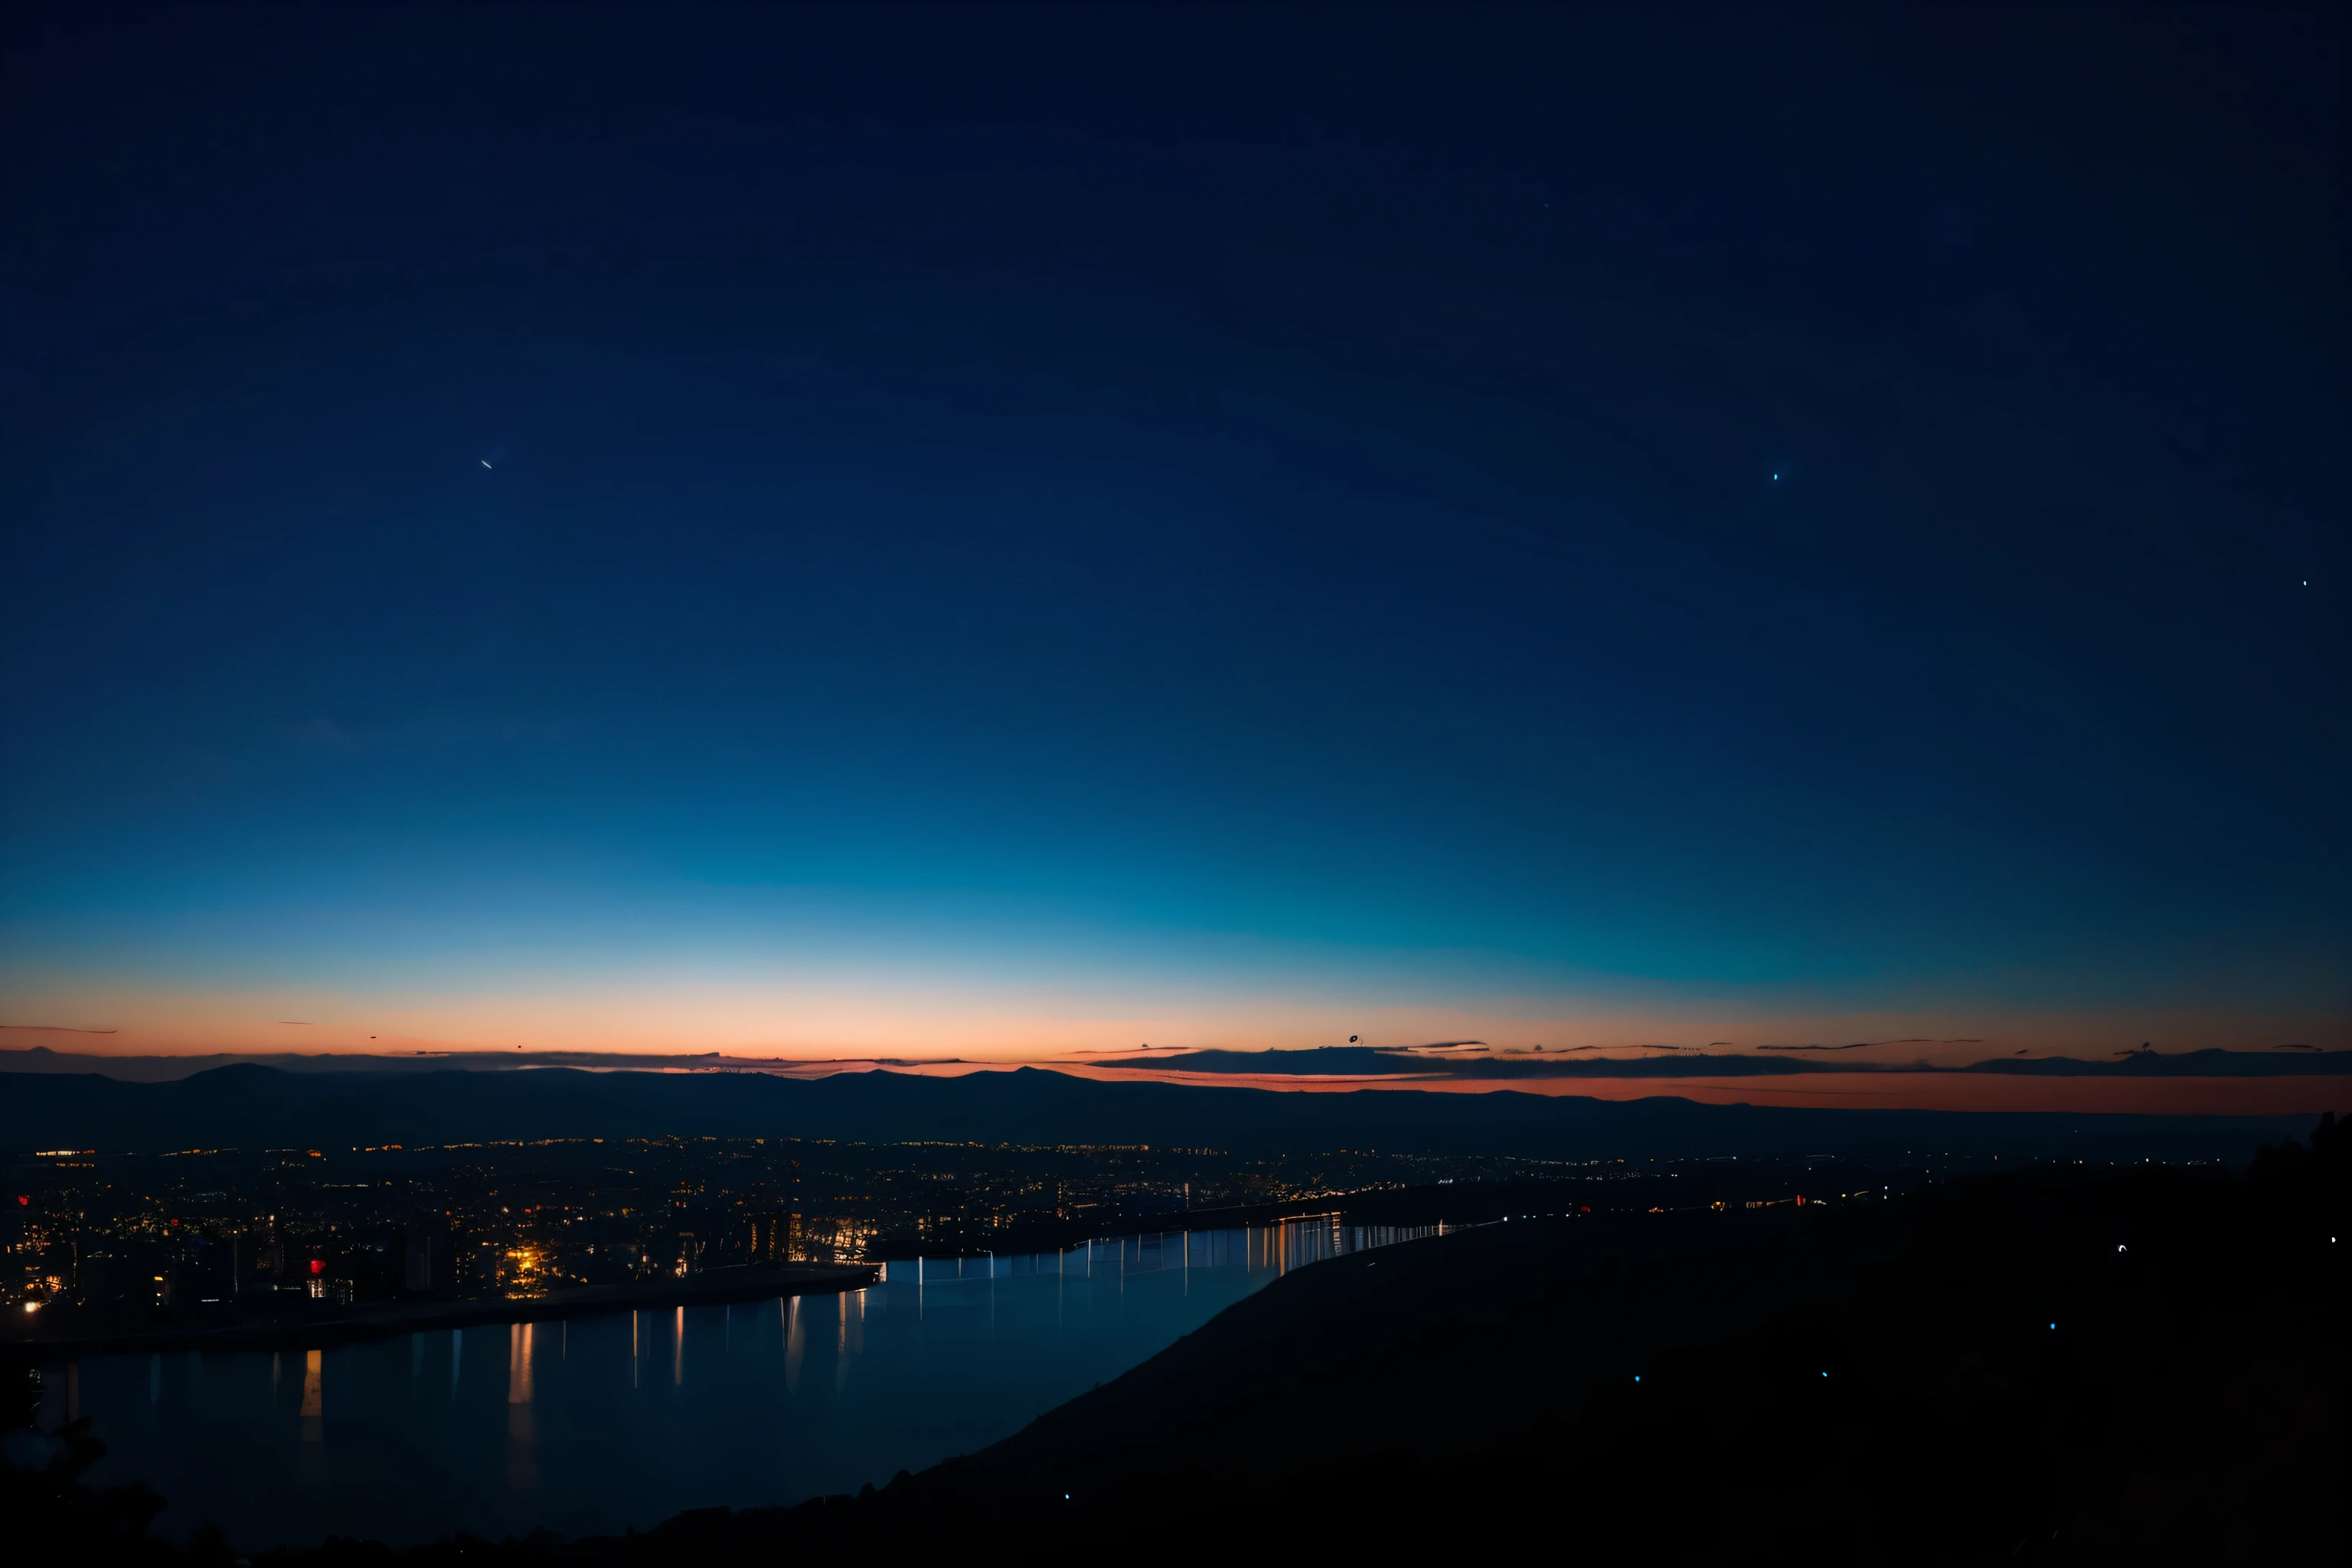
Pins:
x,y
317,1266
24,1200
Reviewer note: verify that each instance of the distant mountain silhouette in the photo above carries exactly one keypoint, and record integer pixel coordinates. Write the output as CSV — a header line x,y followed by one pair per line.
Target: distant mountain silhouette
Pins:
x,y
251,1107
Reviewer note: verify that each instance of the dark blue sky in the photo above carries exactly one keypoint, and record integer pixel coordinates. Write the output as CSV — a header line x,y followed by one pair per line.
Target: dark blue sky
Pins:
x,y
814,529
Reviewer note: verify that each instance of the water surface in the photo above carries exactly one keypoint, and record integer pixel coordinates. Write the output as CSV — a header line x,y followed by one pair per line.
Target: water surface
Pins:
x,y
596,1423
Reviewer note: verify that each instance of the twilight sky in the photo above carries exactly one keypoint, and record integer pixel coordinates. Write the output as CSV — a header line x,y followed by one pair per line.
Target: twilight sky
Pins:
x,y
947,532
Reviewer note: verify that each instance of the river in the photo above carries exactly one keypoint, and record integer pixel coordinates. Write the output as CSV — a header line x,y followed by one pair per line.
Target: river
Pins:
x,y
592,1425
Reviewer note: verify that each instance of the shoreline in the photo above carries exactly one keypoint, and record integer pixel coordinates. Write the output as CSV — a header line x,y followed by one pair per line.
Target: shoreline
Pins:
x,y
719,1288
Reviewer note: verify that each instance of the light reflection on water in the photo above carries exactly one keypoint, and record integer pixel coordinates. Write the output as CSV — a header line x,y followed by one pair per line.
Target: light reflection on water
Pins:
x,y
592,1424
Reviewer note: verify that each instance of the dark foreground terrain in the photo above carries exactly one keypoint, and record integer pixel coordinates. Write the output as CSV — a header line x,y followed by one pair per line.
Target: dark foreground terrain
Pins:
x,y
2064,1365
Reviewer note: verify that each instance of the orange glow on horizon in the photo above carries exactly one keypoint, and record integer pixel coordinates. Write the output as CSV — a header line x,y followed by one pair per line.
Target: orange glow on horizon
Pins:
x,y
806,1032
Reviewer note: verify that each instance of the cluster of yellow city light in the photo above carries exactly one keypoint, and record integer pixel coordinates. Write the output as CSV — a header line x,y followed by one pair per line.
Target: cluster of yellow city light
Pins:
x,y
525,1267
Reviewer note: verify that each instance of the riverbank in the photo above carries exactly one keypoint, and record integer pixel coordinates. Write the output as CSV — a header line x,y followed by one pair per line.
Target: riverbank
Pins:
x,y
1811,1384
307,1328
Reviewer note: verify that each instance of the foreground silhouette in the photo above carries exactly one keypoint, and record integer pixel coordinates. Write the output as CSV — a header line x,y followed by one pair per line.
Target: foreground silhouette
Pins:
x,y
2061,1365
